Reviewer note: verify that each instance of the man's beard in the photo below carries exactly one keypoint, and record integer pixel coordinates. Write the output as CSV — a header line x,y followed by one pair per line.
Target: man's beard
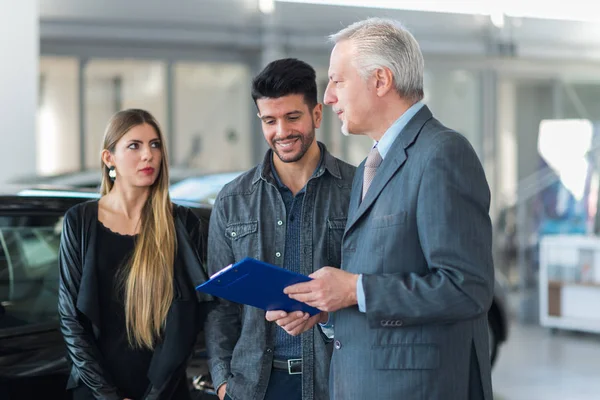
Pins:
x,y
305,143
344,129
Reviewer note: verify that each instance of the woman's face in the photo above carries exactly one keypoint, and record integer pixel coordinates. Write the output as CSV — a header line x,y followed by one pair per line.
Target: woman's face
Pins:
x,y
137,157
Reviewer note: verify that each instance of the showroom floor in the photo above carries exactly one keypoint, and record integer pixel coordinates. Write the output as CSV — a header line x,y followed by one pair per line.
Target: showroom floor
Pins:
x,y
537,364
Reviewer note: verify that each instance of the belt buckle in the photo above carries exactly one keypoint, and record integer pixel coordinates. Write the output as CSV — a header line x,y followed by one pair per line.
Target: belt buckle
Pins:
x,y
294,366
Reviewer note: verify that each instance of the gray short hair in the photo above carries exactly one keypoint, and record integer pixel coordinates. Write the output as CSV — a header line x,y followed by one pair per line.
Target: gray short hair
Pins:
x,y
386,43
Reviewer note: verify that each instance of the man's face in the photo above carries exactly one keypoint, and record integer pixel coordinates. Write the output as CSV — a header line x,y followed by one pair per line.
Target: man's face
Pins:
x,y
289,125
348,93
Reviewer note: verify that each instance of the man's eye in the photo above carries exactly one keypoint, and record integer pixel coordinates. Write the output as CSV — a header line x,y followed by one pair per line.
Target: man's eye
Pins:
x,y
293,118
269,122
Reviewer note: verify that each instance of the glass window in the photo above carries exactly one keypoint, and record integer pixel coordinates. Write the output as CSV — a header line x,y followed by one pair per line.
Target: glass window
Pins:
x,y
212,111
581,100
29,269
114,85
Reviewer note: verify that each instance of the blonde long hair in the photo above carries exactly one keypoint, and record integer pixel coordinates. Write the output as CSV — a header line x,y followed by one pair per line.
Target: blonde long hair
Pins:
x,y
148,278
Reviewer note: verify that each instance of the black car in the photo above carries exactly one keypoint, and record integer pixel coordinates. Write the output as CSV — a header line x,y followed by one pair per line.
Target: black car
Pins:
x,y
32,350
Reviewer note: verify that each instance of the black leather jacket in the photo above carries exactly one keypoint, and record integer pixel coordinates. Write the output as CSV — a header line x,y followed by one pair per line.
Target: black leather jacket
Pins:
x,y
78,304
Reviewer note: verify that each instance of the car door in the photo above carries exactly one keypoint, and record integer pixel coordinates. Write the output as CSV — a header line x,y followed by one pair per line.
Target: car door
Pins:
x,y
31,346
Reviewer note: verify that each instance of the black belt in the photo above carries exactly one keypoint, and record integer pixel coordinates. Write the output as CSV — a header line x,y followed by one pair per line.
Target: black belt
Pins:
x,y
293,366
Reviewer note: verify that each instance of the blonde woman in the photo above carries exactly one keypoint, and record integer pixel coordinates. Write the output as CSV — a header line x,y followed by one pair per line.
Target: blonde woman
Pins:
x,y
129,263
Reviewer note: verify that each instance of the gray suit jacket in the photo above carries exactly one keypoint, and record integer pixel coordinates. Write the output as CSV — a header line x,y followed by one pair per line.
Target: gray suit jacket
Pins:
x,y
422,239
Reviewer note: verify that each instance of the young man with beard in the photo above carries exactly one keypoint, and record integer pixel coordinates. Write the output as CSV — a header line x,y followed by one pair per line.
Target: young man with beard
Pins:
x,y
290,211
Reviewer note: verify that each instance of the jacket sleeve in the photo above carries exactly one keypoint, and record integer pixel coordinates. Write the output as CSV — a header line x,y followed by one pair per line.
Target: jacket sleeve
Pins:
x,y
76,331
200,238
455,234
197,228
198,231
223,323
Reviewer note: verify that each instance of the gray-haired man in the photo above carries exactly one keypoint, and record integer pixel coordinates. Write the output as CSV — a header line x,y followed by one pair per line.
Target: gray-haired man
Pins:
x,y
417,277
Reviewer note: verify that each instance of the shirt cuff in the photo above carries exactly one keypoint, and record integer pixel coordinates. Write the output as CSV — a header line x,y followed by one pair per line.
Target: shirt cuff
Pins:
x,y
360,295
327,328
327,324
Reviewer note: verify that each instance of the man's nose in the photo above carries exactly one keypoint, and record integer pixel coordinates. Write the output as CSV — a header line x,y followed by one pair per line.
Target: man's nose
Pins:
x,y
282,129
329,97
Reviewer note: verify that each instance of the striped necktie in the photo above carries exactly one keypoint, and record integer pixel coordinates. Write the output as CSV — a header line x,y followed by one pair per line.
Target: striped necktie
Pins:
x,y
373,161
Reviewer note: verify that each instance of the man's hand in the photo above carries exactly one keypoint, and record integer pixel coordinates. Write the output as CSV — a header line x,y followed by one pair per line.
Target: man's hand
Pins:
x,y
330,290
221,391
296,322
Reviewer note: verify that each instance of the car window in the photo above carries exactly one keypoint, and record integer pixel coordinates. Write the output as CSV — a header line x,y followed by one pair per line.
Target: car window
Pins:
x,y
29,269
201,189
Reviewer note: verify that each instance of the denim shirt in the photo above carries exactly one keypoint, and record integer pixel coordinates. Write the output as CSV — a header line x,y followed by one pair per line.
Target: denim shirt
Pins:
x,y
239,340
286,345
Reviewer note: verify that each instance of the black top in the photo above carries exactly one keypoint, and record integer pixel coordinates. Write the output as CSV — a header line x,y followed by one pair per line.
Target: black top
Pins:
x,y
125,366
79,304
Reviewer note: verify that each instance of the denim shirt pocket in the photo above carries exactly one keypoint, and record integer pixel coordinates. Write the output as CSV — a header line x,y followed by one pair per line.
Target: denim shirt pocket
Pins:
x,y
335,232
244,238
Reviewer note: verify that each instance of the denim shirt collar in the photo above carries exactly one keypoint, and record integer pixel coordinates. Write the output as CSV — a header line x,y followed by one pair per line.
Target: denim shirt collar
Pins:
x,y
328,162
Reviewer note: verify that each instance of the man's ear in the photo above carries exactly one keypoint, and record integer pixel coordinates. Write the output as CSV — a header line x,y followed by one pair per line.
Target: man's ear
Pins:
x,y
384,81
317,114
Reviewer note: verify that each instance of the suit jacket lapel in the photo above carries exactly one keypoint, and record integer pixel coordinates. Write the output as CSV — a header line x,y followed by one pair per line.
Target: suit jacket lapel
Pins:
x,y
395,158
356,192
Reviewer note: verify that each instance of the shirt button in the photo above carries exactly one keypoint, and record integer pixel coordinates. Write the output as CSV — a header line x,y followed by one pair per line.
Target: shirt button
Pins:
x,y
337,344
278,254
280,222
233,234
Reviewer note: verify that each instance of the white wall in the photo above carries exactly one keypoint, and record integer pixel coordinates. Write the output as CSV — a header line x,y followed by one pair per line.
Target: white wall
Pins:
x,y
19,28
58,116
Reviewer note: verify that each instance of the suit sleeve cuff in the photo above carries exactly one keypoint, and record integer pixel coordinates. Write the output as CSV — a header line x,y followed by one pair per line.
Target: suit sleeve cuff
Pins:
x,y
360,295
329,323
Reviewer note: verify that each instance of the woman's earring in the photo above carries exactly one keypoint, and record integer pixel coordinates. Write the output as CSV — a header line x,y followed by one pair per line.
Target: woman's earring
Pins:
x,y
112,174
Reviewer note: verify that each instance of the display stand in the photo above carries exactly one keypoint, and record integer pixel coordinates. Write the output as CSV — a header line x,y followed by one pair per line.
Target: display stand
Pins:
x,y
569,282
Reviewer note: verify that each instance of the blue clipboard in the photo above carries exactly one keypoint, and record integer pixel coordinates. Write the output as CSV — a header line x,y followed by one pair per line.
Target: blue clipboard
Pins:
x,y
258,284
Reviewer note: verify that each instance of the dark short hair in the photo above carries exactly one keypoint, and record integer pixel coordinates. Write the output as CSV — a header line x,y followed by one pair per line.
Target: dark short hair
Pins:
x,y
285,77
